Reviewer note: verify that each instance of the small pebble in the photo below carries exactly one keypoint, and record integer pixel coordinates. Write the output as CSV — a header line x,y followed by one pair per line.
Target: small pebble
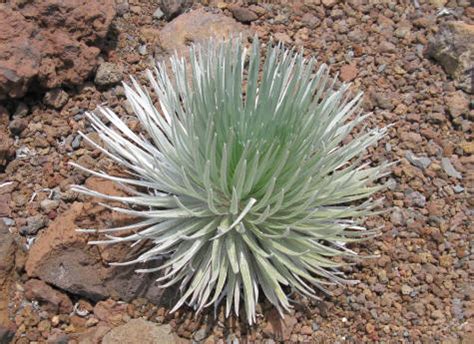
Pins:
x,y
158,14
420,162
48,204
108,74
76,142
449,168
142,49
458,189
200,335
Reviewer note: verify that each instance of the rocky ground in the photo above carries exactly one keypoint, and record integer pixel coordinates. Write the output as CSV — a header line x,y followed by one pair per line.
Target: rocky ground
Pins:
x,y
413,60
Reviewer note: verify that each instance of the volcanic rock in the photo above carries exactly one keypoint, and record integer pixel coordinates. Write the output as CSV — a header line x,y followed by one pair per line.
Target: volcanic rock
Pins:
x,y
457,103
449,168
173,8
198,26
6,148
348,72
51,300
108,74
242,14
50,42
56,98
140,331
61,256
453,48
278,327
7,263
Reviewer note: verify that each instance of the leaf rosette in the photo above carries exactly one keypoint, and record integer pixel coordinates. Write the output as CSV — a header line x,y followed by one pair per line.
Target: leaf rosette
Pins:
x,y
240,178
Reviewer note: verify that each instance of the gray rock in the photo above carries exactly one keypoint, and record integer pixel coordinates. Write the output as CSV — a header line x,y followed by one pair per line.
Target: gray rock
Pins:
x,y
34,224
268,341
397,217
21,110
140,331
56,98
310,20
17,125
281,18
232,339
6,334
391,184
457,309
142,49
449,168
49,204
415,198
406,289
420,162
76,142
158,14
122,7
402,32
383,101
108,74
173,8
10,222
200,335
458,189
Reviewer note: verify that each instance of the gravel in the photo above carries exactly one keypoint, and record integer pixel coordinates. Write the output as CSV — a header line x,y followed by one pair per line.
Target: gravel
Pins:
x,y
416,288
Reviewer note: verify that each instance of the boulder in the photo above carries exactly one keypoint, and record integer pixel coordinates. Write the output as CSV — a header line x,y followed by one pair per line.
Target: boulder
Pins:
x,y
62,257
50,43
198,26
453,48
83,20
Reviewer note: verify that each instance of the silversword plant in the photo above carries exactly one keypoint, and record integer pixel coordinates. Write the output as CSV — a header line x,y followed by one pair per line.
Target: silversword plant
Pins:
x,y
240,179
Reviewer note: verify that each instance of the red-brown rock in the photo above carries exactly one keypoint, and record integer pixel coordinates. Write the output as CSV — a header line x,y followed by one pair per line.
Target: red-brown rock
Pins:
x,y
51,300
83,20
7,263
457,103
50,42
62,257
6,147
348,72
242,14
277,327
